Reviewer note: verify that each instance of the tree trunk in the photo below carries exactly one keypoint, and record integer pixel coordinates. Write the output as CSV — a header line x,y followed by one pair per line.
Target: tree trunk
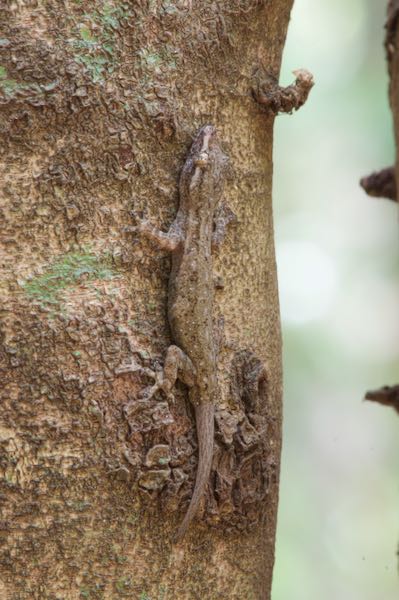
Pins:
x,y
392,50
384,183
99,104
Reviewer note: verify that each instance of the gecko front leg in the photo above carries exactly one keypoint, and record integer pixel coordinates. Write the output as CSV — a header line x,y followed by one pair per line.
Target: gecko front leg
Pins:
x,y
169,241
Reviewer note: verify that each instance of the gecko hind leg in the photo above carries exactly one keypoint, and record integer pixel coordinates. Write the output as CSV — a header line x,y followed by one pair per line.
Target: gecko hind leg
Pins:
x,y
177,366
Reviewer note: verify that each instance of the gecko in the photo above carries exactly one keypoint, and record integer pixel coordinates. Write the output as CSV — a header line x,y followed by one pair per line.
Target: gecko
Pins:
x,y
198,229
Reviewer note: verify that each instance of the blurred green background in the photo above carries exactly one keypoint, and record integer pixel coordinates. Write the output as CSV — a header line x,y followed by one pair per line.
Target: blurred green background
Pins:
x,y
338,264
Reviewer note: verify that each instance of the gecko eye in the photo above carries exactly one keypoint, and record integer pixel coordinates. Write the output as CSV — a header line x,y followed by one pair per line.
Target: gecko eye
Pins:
x,y
202,159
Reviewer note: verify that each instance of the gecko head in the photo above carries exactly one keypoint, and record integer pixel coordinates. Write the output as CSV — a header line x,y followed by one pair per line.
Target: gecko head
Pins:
x,y
206,163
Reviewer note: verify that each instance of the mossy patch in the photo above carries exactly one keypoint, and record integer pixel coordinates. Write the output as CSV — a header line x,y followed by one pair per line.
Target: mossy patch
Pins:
x,y
10,87
94,40
151,60
68,270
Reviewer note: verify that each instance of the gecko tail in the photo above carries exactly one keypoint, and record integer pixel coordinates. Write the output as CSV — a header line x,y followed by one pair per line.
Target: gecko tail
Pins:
x,y
204,418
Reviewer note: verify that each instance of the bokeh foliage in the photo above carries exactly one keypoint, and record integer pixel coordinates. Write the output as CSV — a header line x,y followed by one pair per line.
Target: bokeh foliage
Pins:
x,y
338,261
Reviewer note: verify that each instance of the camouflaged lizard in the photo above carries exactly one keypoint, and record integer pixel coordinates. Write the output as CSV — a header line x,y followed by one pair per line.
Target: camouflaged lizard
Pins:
x,y
198,228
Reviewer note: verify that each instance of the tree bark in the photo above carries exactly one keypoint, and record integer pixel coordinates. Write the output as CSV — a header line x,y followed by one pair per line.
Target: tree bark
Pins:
x,y
384,183
392,52
99,104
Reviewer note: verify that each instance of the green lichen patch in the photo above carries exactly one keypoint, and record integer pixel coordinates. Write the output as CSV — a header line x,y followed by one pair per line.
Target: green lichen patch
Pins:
x,y
11,87
8,86
69,270
151,60
94,41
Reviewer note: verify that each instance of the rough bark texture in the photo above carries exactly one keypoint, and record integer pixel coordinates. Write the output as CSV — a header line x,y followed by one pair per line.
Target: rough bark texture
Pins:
x,y
98,105
392,51
384,183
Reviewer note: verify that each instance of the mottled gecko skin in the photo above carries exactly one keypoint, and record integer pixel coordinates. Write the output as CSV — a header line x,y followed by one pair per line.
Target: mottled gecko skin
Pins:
x,y
198,228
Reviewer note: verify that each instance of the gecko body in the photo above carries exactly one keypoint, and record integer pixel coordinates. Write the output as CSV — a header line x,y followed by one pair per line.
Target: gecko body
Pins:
x,y
198,228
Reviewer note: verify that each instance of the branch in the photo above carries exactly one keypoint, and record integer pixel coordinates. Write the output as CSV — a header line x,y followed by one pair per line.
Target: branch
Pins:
x,y
388,395
381,184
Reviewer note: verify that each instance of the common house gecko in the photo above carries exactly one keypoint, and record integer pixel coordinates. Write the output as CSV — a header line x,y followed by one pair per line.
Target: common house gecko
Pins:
x,y
199,227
